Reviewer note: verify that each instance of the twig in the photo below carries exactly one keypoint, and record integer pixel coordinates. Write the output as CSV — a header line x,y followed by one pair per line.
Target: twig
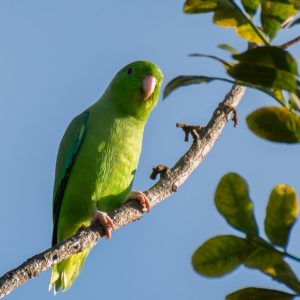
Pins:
x,y
160,169
290,43
235,117
193,130
130,212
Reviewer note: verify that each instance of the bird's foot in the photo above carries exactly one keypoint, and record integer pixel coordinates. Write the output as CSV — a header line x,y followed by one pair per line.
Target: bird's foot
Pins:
x,y
106,222
141,197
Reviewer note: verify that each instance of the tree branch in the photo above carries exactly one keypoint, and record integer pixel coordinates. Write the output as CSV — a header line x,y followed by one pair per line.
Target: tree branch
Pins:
x,y
130,212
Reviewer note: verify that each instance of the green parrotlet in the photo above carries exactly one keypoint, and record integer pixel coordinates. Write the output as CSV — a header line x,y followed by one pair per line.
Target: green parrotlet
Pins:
x,y
97,160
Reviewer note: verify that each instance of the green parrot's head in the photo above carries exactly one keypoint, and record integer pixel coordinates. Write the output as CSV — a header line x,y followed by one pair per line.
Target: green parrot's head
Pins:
x,y
135,88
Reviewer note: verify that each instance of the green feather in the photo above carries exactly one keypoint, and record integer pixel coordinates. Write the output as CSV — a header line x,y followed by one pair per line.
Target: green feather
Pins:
x,y
97,159
69,147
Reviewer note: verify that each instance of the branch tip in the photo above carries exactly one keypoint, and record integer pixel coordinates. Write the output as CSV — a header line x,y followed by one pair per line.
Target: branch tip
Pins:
x,y
290,43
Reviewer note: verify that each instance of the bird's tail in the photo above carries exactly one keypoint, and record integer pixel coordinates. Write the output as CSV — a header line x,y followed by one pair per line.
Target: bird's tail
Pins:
x,y
64,273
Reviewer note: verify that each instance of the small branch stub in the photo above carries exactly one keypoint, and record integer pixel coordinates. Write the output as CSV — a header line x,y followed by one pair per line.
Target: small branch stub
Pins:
x,y
174,188
230,109
194,130
290,43
160,169
235,117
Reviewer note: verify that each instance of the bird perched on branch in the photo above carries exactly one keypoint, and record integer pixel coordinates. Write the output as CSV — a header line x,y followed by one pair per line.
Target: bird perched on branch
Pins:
x,y
97,160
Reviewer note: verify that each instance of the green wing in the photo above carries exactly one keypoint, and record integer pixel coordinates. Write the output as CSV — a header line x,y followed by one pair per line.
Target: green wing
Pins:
x,y
67,152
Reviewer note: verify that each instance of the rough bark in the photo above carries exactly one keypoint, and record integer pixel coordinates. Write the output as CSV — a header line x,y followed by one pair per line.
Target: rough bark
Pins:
x,y
169,182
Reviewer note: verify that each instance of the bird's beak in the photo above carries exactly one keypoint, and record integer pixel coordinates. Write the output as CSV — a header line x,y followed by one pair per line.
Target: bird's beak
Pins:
x,y
149,84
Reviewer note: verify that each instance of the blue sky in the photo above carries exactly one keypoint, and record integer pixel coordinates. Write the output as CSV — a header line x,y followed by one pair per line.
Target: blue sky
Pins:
x,y
56,58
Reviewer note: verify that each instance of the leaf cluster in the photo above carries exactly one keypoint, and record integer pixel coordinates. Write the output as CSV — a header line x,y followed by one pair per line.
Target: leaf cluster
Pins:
x,y
224,253
226,13
271,69
268,68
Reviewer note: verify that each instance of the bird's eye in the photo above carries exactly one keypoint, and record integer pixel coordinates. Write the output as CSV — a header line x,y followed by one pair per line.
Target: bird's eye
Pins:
x,y
129,71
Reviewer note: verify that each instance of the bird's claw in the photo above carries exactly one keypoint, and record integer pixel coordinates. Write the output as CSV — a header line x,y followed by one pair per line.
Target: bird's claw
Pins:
x,y
141,197
106,222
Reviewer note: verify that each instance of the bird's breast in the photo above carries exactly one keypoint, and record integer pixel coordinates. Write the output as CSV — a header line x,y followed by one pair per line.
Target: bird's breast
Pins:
x,y
117,150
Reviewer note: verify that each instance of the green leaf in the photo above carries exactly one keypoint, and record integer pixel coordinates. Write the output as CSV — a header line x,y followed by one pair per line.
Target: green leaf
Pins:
x,y
275,124
279,96
229,48
226,15
275,13
269,67
265,259
233,202
222,61
269,56
282,212
252,293
283,273
185,80
189,80
262,258
220,255
250,6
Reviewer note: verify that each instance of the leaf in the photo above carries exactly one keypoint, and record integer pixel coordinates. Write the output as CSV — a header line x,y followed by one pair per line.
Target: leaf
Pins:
x,y
279,96
229,48
252,293
267,260
222,61
185,80
275,124
188,80
269,56
233,202
269,67
283,273
220,255
250,6
273,266
275,13
226,15
262,258
282,212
